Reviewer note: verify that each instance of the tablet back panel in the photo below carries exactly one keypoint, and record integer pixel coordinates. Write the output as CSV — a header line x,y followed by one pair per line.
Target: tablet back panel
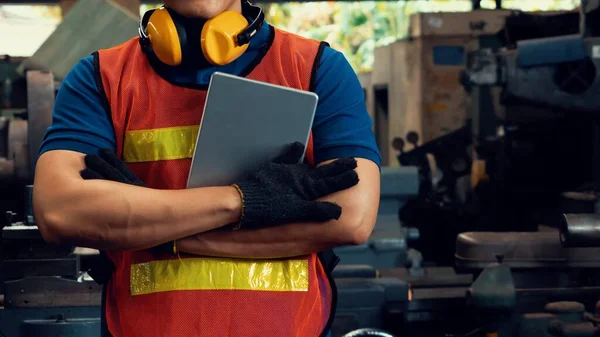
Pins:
x,y
247,123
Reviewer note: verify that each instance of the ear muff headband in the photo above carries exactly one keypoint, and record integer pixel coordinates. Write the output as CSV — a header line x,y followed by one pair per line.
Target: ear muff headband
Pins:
x,y
224,38
247,34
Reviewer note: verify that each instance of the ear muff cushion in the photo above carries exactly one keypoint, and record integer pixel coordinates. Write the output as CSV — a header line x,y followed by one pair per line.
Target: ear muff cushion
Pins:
x,y
218,38
164,37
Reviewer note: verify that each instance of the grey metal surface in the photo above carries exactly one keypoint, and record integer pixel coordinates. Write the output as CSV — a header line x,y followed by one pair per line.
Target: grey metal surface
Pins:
x,y
61,326
90,25
354,271
550,51
51,292
40,102
542,250
399,181
575,89
237,122
378,253
65,266
538,84
397,185
76,322
493,290
19,231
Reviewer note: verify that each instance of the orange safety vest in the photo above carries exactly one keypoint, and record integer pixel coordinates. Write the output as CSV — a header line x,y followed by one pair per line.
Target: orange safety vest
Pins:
x,y
156,125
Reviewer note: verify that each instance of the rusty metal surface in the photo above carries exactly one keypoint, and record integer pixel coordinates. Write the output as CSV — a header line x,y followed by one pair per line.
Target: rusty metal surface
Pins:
x,y
51,292
40,102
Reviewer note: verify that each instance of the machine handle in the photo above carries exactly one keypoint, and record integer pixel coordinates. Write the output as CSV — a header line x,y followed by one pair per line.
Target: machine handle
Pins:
x,y
580,230
368,333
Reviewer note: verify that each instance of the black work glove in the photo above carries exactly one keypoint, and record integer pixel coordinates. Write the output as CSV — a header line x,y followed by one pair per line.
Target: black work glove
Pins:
x,y
108,166
285,191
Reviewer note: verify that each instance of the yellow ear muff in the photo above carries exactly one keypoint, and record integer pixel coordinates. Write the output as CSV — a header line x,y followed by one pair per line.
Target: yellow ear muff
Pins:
x,y
218,38
164,38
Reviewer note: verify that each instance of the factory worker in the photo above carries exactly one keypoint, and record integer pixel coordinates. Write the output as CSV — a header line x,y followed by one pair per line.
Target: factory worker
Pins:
x,y
252,259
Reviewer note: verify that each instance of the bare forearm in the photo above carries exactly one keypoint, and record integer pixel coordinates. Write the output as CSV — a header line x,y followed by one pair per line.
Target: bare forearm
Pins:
x,y
278,242
359,211
114,216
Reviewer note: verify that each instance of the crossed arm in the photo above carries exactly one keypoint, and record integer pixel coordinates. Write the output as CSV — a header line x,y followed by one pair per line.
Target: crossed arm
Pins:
x,y
113,216
359,210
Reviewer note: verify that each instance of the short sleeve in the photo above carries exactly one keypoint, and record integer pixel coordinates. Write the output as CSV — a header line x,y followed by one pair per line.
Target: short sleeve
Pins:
x,y
342,125
80,120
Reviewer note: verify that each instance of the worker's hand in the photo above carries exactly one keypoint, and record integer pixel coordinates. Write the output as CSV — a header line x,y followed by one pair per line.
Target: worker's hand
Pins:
x,y
285,191
108,166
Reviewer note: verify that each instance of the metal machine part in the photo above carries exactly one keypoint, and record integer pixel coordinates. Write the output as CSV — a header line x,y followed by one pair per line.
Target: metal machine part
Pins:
x,y
61,326
580,230
565,78
398,186
25,254
529,252
442,192
378,253
14,163
560,319
22,135
368,333
40,102
377,303
45,290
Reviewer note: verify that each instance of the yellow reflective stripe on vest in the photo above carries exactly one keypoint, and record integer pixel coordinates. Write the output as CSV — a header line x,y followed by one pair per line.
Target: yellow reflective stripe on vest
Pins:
x,y
218,274
160,144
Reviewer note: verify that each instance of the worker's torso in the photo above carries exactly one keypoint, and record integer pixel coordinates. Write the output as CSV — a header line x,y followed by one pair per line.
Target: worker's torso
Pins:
x,y
161,294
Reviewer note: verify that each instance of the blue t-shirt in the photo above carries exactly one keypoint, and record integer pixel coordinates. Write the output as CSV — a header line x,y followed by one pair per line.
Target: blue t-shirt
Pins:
x,y
341,128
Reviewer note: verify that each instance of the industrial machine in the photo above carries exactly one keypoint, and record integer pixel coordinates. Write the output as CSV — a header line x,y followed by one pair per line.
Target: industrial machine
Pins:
x,y
492,193
529,151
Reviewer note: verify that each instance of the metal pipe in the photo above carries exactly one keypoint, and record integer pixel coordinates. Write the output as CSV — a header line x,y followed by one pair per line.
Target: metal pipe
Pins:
x,y
580,230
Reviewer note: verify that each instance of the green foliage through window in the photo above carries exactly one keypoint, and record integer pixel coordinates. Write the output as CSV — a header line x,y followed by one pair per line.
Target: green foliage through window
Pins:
x,y
356,28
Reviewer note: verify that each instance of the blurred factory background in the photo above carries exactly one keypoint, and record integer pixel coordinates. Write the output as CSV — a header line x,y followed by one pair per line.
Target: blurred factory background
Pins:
x,y
487,116
355,28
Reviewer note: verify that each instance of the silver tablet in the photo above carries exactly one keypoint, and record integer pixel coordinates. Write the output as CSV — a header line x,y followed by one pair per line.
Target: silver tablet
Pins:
x,y
247,123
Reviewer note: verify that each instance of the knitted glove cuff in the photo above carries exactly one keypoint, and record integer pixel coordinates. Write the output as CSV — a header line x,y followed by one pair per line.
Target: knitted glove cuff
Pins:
x,y
255,204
